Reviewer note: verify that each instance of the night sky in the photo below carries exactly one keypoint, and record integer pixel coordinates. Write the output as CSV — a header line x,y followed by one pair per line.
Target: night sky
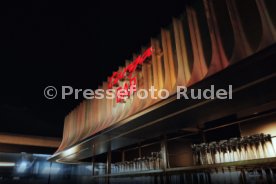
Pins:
x,y
67,43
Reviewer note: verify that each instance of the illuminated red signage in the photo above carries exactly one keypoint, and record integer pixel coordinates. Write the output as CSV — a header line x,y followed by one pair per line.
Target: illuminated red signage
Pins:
x,y
127,73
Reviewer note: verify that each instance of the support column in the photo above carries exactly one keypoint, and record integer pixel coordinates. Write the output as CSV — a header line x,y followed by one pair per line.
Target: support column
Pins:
x,y
108,165
164,155
108,162
93,160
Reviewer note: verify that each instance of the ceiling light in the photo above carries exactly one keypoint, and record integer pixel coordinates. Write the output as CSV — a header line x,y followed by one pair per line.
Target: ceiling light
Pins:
x,y
7,164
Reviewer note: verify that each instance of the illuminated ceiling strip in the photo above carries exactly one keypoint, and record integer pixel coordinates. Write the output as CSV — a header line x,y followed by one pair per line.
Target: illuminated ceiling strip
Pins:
x,y
7,164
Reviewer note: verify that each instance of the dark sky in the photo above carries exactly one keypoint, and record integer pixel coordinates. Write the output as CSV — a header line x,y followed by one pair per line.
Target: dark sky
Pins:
x,y
76,43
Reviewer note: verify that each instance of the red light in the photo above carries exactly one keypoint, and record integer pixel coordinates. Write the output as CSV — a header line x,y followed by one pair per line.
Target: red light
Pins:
x,y
128,72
